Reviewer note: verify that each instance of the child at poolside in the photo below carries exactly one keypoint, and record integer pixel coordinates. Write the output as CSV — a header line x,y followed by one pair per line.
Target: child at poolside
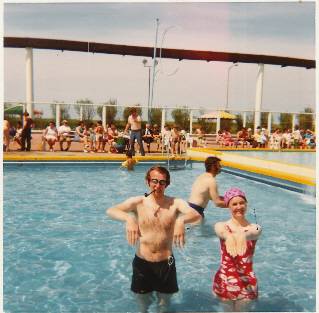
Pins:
x,y
235,282
130,162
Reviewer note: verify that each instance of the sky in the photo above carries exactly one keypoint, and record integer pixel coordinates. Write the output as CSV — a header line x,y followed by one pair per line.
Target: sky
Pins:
x,y
269,28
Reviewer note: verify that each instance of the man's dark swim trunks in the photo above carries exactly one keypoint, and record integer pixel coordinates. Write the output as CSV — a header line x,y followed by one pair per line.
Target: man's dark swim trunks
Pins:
x,y
154,276
198,208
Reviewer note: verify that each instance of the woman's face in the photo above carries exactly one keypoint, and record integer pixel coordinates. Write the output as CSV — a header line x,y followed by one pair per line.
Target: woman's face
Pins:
x,y
237,206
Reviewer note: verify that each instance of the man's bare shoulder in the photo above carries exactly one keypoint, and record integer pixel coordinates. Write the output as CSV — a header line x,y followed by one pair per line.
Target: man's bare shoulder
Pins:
x,y
205,178
178,201
134,200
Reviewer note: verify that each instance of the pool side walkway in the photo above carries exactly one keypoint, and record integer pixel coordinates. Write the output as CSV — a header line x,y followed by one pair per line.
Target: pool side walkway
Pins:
x,y
277,169
291,172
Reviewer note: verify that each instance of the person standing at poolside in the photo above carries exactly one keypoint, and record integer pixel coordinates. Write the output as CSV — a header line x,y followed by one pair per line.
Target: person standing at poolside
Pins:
x,y
154,222
205,187
135,123
26,132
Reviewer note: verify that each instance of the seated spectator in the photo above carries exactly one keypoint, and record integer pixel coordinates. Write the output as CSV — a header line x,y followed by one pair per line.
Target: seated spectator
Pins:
x,y
51,135
286,140
78,136
219,137
250,138
264,137
18,135
200,132
309,139
275,140
147,136
6,136
157,137
311,143
91,131
260,137
112,135
296,137
242,137
176,140
166,136
120,143
86,138
189,140
64,135
227,138
183,144
99,130
105,137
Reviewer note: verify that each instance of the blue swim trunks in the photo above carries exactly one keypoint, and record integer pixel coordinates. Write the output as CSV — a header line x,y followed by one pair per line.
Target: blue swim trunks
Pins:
x,y
198,208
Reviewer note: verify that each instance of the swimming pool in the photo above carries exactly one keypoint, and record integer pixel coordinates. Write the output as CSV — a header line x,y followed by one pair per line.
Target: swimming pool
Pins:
x,y
62,254
301,158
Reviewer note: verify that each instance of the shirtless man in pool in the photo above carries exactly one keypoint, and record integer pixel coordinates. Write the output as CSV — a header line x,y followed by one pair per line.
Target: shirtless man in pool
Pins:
x,y
154,222
205,187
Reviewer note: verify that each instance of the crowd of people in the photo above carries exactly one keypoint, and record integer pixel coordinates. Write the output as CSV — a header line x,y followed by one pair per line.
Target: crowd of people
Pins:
x,y
279,139
97,138
174,140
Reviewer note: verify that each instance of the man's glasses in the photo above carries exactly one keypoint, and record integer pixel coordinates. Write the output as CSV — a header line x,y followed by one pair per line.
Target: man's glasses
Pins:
x,y
162,182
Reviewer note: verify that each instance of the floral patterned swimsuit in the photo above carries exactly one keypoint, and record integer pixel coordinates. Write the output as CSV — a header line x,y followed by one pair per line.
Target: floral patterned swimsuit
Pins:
x,y
235,278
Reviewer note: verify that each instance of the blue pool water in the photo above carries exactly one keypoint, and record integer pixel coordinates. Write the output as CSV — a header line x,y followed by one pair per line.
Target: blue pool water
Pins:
x,y
62,254
299,158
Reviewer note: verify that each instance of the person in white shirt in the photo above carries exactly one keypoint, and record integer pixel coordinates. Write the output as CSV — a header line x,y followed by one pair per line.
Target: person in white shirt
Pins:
x,y
51,135
64,135
167,135
135,123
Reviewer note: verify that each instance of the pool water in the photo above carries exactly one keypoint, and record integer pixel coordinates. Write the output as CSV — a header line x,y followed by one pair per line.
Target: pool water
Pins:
x,y
299,158
62,254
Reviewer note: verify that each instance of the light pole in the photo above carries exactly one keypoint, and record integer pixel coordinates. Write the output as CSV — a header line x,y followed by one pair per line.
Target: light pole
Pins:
x,y
154,64
227,87
149,88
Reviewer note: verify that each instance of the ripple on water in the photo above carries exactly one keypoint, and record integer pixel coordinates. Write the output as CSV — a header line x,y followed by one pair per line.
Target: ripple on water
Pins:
x,y
62,254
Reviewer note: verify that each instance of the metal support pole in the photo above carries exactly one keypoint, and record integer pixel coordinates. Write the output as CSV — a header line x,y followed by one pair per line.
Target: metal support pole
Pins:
x,y
269,123
190,122
104,116
154,64
149,95
29,81
244,119
218,123
293,123
163,127
259,93
81,113
57,114
227,86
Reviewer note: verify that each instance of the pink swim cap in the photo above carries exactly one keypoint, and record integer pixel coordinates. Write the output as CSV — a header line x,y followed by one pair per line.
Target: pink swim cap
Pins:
x,y
233,192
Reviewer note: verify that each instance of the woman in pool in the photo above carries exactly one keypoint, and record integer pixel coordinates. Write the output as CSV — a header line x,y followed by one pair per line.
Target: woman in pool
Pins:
x,y
235,281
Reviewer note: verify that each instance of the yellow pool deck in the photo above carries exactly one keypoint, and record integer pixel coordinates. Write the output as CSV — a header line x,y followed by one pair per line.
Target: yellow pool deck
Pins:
x,y
292,172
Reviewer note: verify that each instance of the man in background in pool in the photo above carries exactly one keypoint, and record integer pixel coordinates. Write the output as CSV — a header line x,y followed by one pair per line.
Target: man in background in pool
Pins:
x,y
205,187
154,222
129,162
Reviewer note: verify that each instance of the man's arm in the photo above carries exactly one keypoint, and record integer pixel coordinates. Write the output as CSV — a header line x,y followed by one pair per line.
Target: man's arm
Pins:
x,y
187,215
216,198
127,127
121,212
